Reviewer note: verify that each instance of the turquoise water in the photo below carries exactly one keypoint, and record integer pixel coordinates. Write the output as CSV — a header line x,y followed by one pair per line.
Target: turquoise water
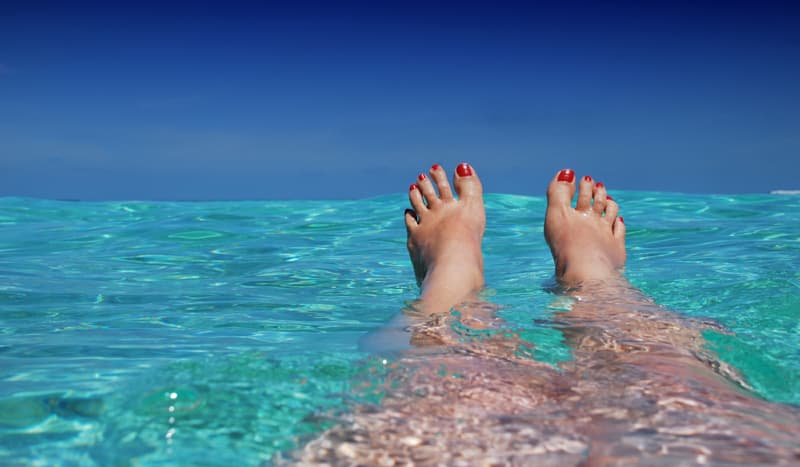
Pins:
x,y
222,332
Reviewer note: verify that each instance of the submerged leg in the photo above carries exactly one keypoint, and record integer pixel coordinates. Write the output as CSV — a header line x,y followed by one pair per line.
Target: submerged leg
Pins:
x,y
634,394
636,365
588,247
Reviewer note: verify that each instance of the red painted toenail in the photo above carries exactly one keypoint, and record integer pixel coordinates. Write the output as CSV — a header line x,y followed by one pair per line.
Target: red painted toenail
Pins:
x,y
464,170
599,185
436,167
609,197
412,187
621,219
587,178
566,175
421,176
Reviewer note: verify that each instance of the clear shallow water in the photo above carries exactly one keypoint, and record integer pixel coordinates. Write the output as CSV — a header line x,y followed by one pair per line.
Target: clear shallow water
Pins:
x,y
225,332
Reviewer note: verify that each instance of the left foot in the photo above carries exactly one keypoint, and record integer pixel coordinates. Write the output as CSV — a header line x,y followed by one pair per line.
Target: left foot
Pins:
x,y
444,236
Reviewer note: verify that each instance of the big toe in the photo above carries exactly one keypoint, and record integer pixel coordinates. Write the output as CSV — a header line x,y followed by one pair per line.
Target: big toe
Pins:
x,y
466,182
561,189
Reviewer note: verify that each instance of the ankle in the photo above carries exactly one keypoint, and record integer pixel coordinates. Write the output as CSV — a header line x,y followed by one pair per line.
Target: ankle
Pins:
x,y
452,282
575,272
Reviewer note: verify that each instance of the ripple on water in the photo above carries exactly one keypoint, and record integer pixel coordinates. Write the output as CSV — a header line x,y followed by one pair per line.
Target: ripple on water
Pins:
x,y
251,312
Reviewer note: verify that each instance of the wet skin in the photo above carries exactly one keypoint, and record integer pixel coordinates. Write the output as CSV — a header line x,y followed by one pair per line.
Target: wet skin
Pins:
x,y
641,388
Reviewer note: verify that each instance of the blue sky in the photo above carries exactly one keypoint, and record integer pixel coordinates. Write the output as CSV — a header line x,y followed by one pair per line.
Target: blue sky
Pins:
x,y
353,100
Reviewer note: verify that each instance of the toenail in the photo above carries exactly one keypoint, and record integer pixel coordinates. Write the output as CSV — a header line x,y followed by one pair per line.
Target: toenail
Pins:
x,y
421,176
566,175
464,170
412,187
436,167
587,178
609,197
621,219
599,185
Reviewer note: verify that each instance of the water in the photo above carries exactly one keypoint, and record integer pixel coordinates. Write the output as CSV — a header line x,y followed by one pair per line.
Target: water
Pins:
x,y
224,332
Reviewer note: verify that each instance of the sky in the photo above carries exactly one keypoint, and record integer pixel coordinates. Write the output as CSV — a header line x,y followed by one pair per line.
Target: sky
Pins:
x,y
349,100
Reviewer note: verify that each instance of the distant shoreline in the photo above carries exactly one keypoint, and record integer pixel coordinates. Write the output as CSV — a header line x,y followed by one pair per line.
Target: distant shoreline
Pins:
x,y
785,192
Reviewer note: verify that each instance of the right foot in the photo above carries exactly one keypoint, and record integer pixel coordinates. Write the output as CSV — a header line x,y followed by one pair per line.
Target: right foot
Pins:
x,y
444,236
588,241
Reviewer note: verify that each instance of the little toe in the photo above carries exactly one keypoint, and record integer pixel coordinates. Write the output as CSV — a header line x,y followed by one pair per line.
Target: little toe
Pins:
x,y
599,196
612,209
561,189
619,229
439,177
427,189
585,189
411,220
467,183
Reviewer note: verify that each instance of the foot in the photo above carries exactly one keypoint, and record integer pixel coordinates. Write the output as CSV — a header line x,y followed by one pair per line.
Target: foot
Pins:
x,y
444,236
588,241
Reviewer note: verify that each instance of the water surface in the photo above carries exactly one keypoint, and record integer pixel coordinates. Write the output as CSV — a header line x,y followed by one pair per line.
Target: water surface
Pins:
x,y
222,332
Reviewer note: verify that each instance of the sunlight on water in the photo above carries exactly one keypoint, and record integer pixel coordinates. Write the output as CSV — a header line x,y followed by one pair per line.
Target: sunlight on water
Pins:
x,y
225,332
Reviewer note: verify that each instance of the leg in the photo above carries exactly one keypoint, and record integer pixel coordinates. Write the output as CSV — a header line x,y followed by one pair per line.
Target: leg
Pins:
x,y
638,365
632,396
611,324
444,243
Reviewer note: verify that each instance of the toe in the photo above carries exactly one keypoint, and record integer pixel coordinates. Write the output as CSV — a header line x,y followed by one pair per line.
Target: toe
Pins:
x,y
426,187
439,177
415,196
467,183
561,189
619,229
411,220
599,198
612,209
585,194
